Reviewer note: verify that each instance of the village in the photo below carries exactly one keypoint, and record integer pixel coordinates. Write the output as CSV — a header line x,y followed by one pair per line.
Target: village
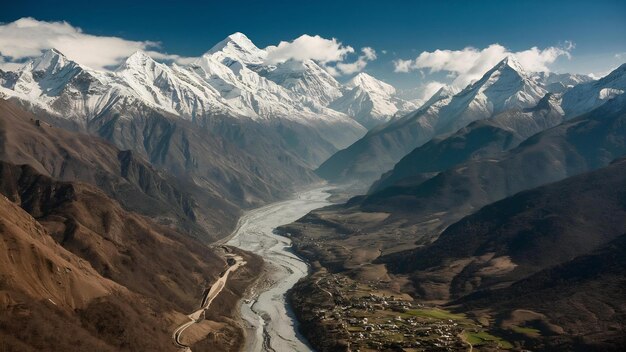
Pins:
x,y
367,318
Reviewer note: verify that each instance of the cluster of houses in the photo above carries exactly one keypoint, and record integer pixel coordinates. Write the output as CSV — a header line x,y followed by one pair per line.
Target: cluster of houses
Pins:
x,y
377,322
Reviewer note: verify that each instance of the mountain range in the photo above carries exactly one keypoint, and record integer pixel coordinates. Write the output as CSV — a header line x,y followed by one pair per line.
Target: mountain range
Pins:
x,y
513,218
504,88
502,202
228,120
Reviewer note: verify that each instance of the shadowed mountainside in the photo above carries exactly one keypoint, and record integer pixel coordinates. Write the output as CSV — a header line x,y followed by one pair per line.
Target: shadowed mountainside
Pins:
x,y
504,87
547,250
123,175
571,148
477,140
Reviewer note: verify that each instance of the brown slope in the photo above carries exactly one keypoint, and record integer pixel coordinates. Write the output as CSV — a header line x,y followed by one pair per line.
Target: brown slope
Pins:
x,y
131,250
163,271
49,297
123,175
34,264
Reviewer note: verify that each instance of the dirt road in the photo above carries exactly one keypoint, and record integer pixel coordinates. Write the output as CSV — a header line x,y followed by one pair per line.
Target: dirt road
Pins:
x,y
213,292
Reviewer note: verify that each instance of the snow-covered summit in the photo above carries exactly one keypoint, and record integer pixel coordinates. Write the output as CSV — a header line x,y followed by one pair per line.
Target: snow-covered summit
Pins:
x,y
511,62
507,85
588,96
46,75
139,59
371,101
51,61
237,47
371,84
308,80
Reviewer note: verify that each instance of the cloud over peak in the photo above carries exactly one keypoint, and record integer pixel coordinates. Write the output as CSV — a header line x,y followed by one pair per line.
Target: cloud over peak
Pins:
x,y
469,64
28,37
330,53
307,47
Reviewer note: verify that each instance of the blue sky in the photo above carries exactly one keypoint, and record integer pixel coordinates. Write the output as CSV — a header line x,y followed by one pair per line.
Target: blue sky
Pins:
x,y
395,29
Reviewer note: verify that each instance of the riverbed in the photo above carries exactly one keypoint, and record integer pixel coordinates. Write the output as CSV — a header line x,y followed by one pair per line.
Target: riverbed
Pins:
x,y
271,325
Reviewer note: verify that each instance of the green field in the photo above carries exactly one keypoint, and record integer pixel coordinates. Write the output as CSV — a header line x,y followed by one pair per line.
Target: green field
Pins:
x,y
526,331
482,337
435,313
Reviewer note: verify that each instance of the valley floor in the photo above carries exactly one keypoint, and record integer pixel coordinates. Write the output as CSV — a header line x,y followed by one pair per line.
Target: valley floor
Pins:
x,y
270,322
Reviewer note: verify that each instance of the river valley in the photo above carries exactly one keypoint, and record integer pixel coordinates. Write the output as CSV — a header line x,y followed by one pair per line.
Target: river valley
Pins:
x,y
268,318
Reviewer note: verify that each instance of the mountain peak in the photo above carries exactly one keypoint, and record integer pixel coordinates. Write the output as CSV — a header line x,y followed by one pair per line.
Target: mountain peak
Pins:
x,y
239,37
138,59
139,54
370,84
363,75
54,51
51,59
512,62
506,85
237,46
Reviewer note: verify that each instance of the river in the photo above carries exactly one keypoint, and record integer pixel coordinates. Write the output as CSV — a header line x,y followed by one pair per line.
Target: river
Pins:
x,y
270,321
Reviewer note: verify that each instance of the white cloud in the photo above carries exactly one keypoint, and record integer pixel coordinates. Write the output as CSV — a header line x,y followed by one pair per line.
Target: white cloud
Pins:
x,y
28,37
330,53
369,54
9,66
402,65
308,47
470,64
431,88
181,60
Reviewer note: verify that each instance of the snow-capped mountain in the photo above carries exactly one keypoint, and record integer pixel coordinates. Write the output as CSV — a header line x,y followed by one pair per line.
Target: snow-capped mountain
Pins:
x,y
171,88
370,101
296,105
588,96
559,82
64,88
237,47
480,139
506,86
253,128
228,80
312,84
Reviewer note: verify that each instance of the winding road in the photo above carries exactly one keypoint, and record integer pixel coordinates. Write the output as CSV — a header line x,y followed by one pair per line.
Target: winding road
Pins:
x,y
213,292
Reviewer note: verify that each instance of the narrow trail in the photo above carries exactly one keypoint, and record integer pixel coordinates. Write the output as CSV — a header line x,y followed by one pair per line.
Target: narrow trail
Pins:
x,y
462,336
211,294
